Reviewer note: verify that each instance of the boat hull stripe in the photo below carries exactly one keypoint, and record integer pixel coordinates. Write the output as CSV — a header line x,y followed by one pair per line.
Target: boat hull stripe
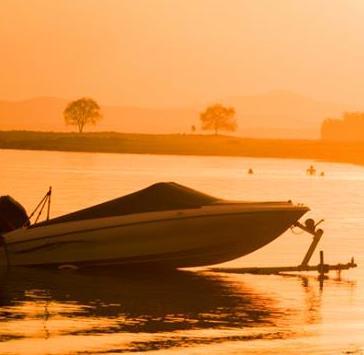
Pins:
x,y
299,211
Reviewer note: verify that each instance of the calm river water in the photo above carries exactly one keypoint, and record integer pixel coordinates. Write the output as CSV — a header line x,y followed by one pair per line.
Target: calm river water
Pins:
x,y
190,312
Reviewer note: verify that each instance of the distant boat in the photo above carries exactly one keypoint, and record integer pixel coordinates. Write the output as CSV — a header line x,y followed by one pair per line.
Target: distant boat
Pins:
x,y
250,171
166,225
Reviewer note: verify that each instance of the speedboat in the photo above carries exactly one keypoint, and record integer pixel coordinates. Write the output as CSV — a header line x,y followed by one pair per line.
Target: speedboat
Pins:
x,y
165,224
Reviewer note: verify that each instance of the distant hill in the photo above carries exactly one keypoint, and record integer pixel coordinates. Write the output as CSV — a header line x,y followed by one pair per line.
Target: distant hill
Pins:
x,y
277,114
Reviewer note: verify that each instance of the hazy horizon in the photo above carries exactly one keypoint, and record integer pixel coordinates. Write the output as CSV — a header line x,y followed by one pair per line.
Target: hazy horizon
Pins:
x,y
278,114
201,104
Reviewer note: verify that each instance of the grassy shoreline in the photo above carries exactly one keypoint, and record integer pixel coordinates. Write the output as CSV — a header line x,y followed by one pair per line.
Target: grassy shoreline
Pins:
x,y
177,144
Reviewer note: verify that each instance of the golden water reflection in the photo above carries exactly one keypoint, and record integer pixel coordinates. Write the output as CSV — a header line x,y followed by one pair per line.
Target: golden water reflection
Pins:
x,y
120,311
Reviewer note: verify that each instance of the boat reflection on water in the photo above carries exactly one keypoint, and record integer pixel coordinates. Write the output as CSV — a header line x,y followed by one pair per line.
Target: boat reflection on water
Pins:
x,y
120,302
118,311
200,300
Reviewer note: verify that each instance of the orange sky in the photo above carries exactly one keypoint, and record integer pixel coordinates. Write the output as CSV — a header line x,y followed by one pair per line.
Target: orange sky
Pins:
x,y
181,52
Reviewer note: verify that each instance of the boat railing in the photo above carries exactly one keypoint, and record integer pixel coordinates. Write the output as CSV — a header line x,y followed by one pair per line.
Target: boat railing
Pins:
x,y
44,203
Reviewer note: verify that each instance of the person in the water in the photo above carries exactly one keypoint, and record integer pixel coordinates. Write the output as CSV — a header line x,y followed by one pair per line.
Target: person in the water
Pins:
x,y
311,170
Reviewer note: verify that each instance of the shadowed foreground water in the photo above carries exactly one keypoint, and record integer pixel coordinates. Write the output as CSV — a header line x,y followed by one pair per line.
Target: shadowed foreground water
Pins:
x,y
193,311
116,311
162,307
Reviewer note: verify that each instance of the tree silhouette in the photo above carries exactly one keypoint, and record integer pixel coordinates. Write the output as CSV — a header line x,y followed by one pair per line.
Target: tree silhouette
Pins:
x,y
82,112
218,117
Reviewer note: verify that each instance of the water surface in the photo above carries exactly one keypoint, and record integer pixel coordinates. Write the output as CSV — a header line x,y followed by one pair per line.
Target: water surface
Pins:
x,y
189,311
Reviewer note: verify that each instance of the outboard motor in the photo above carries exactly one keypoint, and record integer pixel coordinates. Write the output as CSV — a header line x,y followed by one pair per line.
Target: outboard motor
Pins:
x,y
12,215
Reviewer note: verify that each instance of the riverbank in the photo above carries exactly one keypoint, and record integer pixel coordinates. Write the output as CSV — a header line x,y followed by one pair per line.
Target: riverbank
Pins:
x,y
178,144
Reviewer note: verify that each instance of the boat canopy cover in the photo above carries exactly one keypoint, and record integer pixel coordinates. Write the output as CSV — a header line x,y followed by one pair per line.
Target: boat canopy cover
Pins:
x,y
12,214
158,197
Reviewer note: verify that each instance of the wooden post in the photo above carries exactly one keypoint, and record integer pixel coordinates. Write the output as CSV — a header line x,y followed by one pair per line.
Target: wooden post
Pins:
x,y
322,268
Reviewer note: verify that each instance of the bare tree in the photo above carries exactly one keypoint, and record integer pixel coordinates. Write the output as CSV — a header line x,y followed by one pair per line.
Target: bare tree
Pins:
x,y
218,117
82,112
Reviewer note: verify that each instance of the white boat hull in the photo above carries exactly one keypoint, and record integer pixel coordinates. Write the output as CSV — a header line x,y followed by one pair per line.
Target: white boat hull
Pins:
x,y
183,238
